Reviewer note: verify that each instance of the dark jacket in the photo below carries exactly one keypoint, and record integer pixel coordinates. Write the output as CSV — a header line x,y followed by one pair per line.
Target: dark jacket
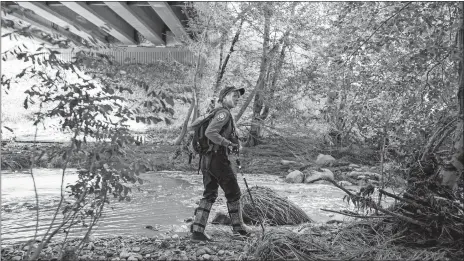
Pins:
x,y
222,118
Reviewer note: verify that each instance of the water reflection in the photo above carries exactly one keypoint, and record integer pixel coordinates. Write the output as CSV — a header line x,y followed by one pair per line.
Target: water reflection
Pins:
x,y
160,205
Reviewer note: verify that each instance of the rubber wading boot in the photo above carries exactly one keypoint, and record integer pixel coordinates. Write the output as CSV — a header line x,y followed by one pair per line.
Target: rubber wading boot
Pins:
x,y
236,218
199,223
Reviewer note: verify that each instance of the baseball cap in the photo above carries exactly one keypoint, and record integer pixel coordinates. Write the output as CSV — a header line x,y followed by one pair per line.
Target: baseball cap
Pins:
x,y
228,89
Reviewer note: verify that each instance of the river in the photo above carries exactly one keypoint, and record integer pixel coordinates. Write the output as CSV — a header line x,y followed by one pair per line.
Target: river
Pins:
x,y
166,199
157,205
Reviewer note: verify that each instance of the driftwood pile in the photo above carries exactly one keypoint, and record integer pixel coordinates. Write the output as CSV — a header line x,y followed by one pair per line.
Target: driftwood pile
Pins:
x,y
426,222
428,213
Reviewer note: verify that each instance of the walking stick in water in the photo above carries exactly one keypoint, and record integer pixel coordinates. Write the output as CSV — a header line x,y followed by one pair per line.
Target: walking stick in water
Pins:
x,y
249,192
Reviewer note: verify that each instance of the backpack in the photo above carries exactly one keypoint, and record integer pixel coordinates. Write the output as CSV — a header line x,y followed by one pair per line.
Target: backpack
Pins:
x,y
200,143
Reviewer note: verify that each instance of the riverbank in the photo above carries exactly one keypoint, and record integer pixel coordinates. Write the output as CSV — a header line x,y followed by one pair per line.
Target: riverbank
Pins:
x,y
325,242
165,247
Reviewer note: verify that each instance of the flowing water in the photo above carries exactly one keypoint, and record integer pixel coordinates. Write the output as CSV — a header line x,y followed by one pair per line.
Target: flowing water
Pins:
x,y
162,205
166,200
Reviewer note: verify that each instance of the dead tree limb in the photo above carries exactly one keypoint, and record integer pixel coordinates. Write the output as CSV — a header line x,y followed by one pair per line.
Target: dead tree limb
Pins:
x,y
375,206
410,202
353,214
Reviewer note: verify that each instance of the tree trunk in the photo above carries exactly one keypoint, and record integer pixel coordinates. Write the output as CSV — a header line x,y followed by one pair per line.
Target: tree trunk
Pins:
x,y
194,105
258,100
196,109
277,71
247,101
200,64
452,175
222,67
185,125
221,49
255,130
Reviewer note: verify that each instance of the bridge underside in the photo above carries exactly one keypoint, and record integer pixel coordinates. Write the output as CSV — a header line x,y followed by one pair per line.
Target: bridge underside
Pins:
x,y
138,30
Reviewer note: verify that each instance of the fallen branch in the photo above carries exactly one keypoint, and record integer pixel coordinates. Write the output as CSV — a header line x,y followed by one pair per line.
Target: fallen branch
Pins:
x,y
338,186
375,206
410,202
353,214
399,216
456,204
421,201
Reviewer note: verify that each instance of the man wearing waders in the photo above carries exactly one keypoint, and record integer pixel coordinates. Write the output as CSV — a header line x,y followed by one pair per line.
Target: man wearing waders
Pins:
x,y
216,168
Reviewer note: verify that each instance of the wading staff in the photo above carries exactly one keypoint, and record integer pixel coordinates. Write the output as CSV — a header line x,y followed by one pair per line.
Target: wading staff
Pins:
x,y
249,192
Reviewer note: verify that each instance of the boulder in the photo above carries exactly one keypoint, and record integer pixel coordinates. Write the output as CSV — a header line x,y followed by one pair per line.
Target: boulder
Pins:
x,y
325,160
317,174
295,176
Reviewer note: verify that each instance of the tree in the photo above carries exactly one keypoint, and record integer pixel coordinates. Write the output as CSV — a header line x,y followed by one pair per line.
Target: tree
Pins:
x,y
269,72
206,28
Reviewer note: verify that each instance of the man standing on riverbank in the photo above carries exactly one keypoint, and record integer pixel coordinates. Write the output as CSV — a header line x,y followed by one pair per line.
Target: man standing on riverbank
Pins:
x,y
216,168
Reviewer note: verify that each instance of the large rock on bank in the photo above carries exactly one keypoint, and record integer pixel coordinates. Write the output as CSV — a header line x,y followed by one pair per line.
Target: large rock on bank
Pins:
x,y
325,160
295,176
312,175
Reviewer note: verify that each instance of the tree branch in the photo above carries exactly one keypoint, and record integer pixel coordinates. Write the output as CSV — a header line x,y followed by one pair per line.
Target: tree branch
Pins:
x,y
353,214
226,60
378,28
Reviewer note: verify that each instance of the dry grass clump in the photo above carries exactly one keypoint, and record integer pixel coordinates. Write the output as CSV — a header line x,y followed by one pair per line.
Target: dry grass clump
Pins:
x,y
357,241
375,240
271,208
288,245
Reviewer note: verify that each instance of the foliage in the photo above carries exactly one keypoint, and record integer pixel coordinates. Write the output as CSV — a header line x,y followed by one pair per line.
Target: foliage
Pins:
x,y
87,95
392,65
153,88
